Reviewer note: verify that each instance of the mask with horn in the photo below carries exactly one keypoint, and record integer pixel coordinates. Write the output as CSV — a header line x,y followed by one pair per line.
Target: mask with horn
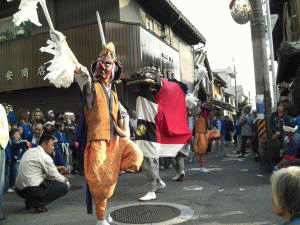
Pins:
x,y
106,68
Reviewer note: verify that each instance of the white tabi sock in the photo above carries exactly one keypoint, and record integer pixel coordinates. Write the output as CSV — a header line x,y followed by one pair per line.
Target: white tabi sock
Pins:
x,y
102,222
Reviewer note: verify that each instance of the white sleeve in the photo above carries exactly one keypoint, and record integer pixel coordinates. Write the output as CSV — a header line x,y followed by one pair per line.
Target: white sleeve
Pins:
x,y
124,113
125,117
51,170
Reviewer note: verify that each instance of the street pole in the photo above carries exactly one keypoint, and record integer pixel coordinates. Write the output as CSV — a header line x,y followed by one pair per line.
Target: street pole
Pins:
x,y
262,83
235,89
236,97
275,92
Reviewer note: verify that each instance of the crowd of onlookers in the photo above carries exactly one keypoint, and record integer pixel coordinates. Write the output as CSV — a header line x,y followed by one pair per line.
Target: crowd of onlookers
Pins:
x,y
243,131
27,127
240,131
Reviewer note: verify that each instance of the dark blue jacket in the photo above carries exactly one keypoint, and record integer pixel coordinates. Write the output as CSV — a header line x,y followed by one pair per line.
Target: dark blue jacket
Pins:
x,y
18,149
11,117
58,159
8,152
26,130
277,122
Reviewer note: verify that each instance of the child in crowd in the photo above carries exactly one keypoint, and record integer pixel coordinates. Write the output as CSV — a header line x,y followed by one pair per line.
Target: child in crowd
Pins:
x,y
23,120
20,129
62,144
18,147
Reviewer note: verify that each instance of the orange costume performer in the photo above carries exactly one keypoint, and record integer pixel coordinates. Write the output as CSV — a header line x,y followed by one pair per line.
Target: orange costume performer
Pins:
x,y
107,150
201,139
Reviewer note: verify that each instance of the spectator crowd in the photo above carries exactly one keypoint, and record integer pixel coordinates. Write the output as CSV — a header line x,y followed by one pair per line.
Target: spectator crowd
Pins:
x,y
239,131
25,131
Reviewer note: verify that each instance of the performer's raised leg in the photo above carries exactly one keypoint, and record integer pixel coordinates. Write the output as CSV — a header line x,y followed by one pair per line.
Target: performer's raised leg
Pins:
x,y
132,157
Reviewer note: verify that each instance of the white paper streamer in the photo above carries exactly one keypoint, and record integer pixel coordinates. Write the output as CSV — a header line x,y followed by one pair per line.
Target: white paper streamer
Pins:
x,y
191,101
28,11
61,70
200,73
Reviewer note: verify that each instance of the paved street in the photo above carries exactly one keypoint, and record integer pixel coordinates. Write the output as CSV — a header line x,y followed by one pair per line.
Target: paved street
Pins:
x,y
233,192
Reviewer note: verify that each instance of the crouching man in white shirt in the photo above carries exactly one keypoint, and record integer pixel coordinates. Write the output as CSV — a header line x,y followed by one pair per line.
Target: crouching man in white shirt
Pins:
x,y
38,180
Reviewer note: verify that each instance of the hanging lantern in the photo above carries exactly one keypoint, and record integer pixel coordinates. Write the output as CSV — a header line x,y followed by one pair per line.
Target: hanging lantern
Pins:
x,y
240,11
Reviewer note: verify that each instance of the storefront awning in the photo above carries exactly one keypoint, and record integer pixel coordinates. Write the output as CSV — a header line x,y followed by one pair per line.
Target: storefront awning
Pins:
x,y
288,62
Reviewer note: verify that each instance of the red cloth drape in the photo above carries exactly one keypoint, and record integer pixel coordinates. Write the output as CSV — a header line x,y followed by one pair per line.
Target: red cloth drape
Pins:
x,y
171,118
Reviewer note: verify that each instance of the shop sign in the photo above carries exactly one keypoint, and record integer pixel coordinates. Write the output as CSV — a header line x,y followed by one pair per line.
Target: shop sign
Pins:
x,y
9,75
25,73
42,71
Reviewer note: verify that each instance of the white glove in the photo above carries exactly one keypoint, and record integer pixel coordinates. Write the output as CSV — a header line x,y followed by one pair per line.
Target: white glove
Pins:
x,y
57,36
83,78
60,39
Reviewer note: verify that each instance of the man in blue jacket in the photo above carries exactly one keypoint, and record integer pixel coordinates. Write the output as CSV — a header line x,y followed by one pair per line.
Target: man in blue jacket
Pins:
x,y
218,124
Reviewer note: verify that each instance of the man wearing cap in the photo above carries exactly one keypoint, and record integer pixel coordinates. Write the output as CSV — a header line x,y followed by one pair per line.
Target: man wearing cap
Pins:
x,y
107,150
51,116
291,154
49,126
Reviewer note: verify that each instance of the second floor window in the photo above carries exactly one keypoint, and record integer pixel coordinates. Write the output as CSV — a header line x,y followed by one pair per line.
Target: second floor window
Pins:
x,y
149,23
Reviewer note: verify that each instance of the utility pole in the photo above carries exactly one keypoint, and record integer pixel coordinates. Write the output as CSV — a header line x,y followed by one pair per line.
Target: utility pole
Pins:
x,y
262,83
270,37
249,96
235,88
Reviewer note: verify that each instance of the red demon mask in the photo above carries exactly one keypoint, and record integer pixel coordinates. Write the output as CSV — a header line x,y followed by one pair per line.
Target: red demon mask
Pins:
x,y
103,68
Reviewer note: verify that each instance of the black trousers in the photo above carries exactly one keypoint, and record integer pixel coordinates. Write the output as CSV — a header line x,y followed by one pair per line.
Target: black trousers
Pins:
x,y
45,193
243,145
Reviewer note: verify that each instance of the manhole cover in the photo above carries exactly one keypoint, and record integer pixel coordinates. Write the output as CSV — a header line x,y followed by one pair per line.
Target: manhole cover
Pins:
x,y
145,214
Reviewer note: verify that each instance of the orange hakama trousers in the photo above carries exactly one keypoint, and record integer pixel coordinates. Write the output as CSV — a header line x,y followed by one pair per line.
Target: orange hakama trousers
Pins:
x,y
103,161
200,147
